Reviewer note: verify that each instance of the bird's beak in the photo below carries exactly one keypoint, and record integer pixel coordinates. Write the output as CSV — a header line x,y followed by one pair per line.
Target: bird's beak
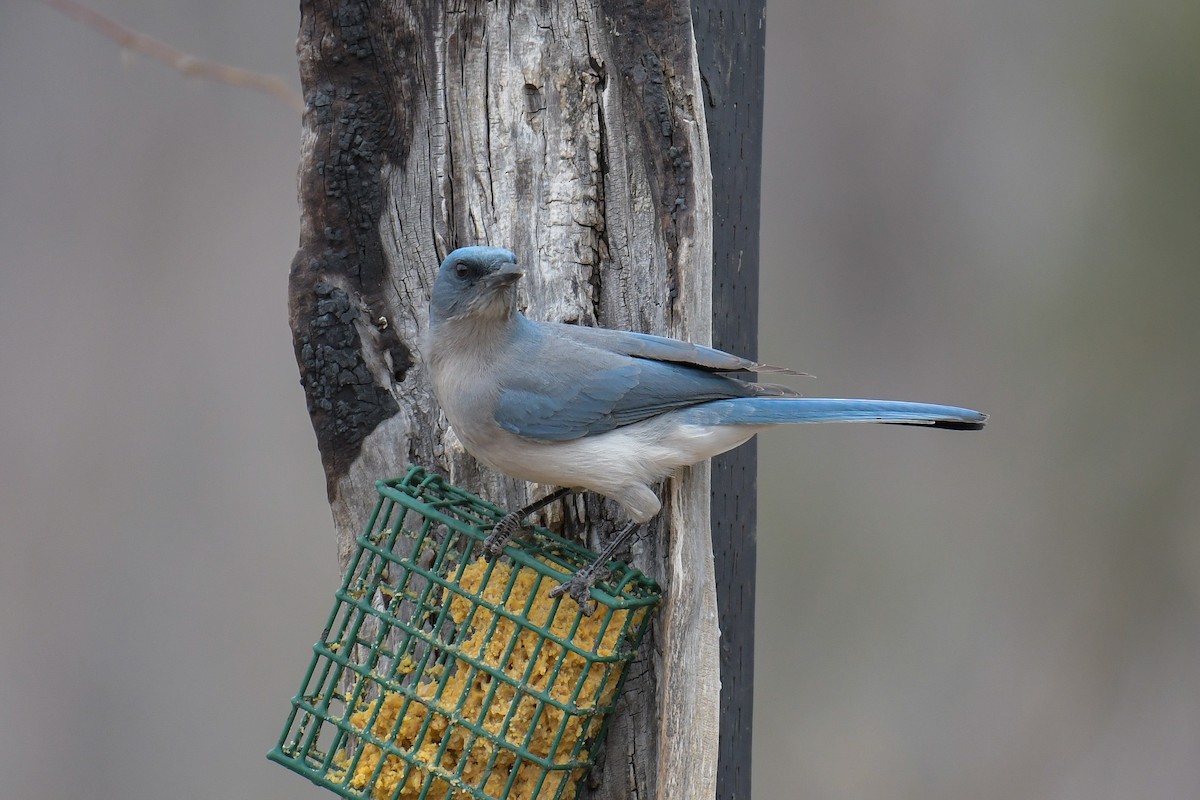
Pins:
x,y
507,275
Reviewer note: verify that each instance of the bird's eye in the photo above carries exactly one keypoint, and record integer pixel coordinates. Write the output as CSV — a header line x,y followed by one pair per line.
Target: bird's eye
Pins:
x,y
461,270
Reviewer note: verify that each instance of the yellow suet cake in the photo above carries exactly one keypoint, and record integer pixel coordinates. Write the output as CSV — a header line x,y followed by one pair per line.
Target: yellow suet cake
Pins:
x,y
459,693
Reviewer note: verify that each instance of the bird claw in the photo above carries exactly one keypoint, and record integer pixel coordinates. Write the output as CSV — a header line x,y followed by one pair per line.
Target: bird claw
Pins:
x,y
579,587
577,591
502,534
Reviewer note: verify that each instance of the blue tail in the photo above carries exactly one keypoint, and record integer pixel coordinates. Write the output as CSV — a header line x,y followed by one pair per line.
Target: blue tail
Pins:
x,y
778,410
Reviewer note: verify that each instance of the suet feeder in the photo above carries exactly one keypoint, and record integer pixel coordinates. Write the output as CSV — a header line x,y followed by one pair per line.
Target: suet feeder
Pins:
x,y
441,675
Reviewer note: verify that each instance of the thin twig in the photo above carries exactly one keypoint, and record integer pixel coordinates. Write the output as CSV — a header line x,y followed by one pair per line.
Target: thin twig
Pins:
x,y
173,57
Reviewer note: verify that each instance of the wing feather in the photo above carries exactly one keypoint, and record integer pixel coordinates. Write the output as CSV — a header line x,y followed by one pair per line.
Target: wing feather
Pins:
x,y
661,348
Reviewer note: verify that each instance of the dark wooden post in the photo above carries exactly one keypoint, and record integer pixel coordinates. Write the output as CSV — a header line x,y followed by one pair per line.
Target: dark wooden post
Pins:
x,y
575,134
730,46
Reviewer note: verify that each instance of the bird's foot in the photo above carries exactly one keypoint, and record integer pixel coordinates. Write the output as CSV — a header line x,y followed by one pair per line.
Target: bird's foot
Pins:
x,y
502,534
510,525
579,586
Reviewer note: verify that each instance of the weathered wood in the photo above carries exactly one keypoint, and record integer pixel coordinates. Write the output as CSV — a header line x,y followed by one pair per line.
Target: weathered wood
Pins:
x,y
573,133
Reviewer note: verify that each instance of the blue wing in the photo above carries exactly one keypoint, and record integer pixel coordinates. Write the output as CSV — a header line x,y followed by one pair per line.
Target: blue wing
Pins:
x,y
568,382
575,403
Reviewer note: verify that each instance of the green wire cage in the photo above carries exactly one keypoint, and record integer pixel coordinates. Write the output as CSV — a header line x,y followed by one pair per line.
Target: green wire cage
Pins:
x,y
441,675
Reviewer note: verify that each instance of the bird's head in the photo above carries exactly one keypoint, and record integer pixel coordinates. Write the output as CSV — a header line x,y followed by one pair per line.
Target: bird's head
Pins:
x,y
475,282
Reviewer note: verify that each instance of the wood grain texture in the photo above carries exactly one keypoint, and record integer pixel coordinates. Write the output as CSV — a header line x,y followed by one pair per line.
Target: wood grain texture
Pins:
x,y
573,133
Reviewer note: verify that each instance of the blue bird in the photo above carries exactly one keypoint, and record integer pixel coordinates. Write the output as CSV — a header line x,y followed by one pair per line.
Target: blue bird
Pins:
x,y
609,411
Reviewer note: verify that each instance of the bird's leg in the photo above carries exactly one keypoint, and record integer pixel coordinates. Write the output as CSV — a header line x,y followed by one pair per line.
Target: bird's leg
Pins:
x,y
579,586
510,525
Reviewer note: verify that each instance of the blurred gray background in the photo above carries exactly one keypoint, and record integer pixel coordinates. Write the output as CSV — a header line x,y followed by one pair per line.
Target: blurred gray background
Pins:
x,y
993,204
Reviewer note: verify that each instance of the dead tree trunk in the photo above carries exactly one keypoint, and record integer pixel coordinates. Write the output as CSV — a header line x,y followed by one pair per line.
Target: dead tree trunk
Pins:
x,y
573,133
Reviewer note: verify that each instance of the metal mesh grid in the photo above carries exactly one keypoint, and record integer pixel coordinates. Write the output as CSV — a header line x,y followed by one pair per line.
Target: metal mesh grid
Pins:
x,y
441,675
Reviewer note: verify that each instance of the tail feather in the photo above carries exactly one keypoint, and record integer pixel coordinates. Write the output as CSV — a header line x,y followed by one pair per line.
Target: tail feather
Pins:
x,y
782,410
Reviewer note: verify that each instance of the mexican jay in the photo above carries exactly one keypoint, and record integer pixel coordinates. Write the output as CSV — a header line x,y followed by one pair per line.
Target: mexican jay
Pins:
x,y
606,410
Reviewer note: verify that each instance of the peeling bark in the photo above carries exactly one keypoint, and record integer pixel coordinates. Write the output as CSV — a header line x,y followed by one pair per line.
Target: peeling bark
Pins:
x,y
574,134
